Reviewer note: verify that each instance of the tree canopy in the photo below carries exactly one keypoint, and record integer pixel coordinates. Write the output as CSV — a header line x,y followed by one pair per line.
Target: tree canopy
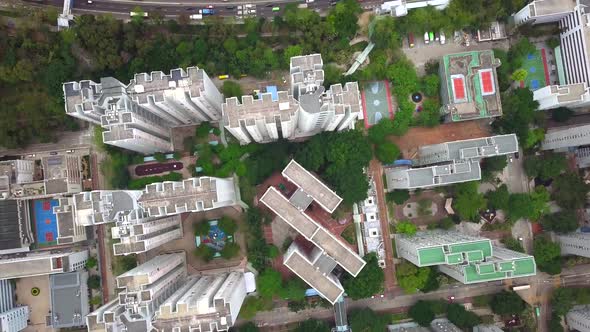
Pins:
x,y
519,113
569,191
387,152
561,114
368,282
468,201
230,250
398,196
410,277
421,312
312,325
531,206
457,315
547,255
493,165
507,303
405,227
228,225
367,320
269,283
94,282
498,199
545,167
560,222
231,88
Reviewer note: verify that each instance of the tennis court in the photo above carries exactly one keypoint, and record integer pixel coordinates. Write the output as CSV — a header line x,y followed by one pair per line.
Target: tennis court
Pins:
x,y
45,221
537,70
376,102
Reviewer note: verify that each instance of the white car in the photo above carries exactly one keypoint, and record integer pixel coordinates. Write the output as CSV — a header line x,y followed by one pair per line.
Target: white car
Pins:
x,y
426,39
90,2
309,1
443,38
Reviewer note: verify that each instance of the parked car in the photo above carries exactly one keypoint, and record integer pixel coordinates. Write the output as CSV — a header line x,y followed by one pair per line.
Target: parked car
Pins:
x,y
410,39
431,36
443,38
436,36
426,39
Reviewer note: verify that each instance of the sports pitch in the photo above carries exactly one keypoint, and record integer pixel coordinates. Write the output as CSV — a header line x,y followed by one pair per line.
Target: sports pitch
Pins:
x,y
535,65
376,102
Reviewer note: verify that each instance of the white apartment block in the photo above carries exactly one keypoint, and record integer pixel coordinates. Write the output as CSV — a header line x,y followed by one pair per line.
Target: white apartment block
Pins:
x,y
139,116
400,7
104,206
578,318
205,303
139,233
575,243
41,263
563,138
143,289
307,110
12,318
68,230
315,267
571,56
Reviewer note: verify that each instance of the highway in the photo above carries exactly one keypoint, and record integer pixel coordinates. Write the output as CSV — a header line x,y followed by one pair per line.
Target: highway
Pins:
x,y
262,8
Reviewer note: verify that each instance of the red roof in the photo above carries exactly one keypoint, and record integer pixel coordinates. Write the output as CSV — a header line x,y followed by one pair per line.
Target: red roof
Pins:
x,y
459,88
487,83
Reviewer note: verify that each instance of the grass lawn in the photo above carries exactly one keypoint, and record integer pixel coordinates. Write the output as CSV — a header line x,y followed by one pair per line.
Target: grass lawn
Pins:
x,y
349,234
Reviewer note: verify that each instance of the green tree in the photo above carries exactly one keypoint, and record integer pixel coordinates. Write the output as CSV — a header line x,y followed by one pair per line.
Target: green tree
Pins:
x,y
160,157
457,314
230,250
555,324
498,199
519,113
561,114
231,88
127,262
386,152
545,167
228,225
312,156
252,305
248,327
367,320
534,137
94,282
569,191
96,300
507,303
491,166
293,290
530,206
291,51
385,34
421,312
204,252
202,228
547,255
512,244
468,201
411,278
269,283
519,75
332,75
177,155
430,114
446,223
563,300
405,227
431,85
342,19
312,325
560,222
378,133
273,251
398,196
368,282
91,262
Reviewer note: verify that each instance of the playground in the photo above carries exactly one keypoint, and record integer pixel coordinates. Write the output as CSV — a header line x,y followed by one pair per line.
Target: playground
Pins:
x,y
216,239
377,102
537,70
45,222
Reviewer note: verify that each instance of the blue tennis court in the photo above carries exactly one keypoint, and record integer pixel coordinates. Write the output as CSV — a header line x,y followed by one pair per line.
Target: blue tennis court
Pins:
x,y
45,221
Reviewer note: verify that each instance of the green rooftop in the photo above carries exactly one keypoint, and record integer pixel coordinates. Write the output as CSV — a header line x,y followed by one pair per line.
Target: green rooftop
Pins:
x,y
474,251
499,270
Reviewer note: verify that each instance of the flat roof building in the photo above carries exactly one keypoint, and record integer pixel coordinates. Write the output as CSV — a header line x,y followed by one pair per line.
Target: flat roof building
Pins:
x,y
12,318
138,116
315,268
466,258
68,230
15,229
307,110
469,86
562,138
449,163
575,243
30,264
139,233
69,300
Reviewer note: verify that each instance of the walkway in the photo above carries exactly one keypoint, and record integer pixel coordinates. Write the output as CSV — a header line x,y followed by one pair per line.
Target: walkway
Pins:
x,y
376,171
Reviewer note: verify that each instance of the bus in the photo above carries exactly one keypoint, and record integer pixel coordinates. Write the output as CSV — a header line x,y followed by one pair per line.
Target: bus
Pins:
x,y
223,77
144,14
538,311
521,287
276,9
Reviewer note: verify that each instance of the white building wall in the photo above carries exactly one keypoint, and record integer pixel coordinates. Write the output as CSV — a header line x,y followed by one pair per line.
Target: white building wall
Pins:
x,y
578,318
24,170
14,320
573,47
574,244
141,142
77,260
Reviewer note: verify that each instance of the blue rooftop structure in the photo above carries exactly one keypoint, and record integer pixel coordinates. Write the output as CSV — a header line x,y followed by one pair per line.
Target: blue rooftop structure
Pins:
x,y
273,92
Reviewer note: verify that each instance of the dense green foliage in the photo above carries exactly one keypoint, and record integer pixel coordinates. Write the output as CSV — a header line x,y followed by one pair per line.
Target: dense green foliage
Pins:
x,y
512,244
547,255
92,262
398,196
269,283
561,114
231,88
545,167
248,327
499,198
457,314
491,166
507,303
368,282
531,206
564,298
560,222
405,227
204,252
228,225
94,282
422,313
312,325
230,250
519,113
201,228
387,152
411,278
367,320
468,201
569,191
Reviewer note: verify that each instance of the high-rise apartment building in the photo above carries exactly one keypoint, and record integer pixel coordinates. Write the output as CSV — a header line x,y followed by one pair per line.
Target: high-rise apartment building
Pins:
x,y
466,258
158,295
578,318
575,243
306,110
41,263
12,318
138,116
571,57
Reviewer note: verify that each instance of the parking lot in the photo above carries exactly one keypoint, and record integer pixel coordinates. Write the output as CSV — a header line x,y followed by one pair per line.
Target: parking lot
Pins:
x,y
421,52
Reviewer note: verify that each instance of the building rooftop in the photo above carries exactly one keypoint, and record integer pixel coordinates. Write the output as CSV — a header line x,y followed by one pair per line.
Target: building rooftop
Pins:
x,y
264,108
565,137
12,225
69,299
472,90
476,148
312,185
156,85
195,194
440,175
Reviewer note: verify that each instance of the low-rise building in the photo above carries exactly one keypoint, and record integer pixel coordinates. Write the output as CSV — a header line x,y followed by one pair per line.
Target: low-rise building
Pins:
x,y
578,318
15,227
563,138
68,299
314,265
449,163
37,263
469,86
575,243
467,259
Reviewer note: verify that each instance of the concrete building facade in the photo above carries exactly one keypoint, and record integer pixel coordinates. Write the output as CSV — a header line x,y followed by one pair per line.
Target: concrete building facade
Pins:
x,y
467,259
138,116
12,318
41,263
576,243
578,318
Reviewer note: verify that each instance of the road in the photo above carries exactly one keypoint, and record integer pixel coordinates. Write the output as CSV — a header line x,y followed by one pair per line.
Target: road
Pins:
x,y
263,8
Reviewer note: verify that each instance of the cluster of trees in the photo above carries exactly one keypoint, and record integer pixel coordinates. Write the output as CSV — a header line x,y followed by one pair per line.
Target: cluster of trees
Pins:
x,y
368,282
531,206
423,312
562,301
406,227
468,201
229,250
512,61
547,255
507,303
398,196
546,166
412,278
520,117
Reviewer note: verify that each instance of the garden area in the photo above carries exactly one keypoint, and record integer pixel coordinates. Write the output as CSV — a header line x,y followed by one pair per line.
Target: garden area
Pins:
x,y
215,238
